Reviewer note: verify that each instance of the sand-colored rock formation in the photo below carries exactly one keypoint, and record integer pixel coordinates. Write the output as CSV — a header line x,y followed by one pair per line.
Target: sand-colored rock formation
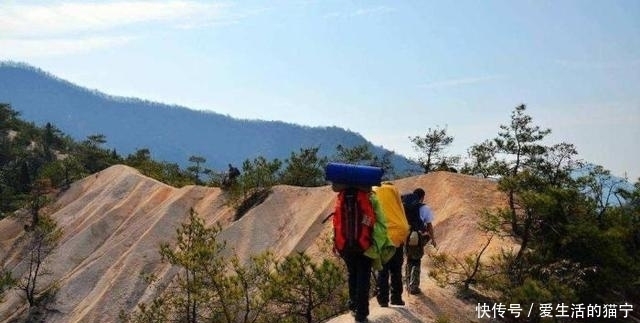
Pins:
x,y
115,220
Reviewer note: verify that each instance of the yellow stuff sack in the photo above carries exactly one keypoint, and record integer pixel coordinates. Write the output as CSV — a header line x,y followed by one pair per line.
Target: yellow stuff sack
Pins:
x,y
397,225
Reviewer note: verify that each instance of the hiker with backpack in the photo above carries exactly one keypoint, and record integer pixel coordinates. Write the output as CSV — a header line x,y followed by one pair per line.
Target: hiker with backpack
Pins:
x,y
361,240
398,231
420,218
359,230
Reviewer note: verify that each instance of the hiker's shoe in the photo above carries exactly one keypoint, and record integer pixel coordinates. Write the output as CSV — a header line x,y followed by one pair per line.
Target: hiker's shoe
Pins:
x,y
398,302
352,307
383,301
362,320
415,291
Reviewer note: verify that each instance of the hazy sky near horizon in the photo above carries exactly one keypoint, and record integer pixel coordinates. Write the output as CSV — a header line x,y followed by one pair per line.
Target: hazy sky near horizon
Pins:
x,y
388,70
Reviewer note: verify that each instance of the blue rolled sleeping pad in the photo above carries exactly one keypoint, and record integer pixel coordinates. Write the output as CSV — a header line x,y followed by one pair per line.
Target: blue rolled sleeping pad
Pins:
x,y
353,175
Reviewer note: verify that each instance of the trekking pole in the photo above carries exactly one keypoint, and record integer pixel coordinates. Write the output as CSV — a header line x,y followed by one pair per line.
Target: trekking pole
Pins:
x,y
376,289
327,218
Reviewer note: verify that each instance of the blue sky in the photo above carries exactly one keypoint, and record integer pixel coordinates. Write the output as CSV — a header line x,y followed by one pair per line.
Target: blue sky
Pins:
x,y
388,70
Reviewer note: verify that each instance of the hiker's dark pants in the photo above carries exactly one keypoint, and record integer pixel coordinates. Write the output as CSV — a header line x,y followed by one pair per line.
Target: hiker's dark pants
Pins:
x,y
413,275
392,269
359,268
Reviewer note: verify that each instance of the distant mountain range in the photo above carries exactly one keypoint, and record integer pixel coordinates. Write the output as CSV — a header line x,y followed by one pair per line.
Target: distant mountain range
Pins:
x,y
172,133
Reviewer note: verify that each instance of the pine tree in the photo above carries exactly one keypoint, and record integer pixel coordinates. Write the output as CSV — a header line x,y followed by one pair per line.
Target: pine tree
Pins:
x,y
432,147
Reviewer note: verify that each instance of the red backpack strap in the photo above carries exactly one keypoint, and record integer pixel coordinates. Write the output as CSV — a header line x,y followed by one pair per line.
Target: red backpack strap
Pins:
x,y
339,239
368,220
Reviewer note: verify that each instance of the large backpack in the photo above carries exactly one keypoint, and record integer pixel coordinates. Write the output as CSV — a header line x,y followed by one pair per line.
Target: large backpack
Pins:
x,y
353,221
391,204
412,205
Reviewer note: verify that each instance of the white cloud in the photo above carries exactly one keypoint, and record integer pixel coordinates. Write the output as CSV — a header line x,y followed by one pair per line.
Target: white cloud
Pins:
x,y
460,81
221,19
64,28
73,18
373,11
361,12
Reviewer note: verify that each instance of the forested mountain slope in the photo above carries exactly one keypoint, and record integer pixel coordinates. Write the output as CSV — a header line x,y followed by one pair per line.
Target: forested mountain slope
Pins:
x,y
172,133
